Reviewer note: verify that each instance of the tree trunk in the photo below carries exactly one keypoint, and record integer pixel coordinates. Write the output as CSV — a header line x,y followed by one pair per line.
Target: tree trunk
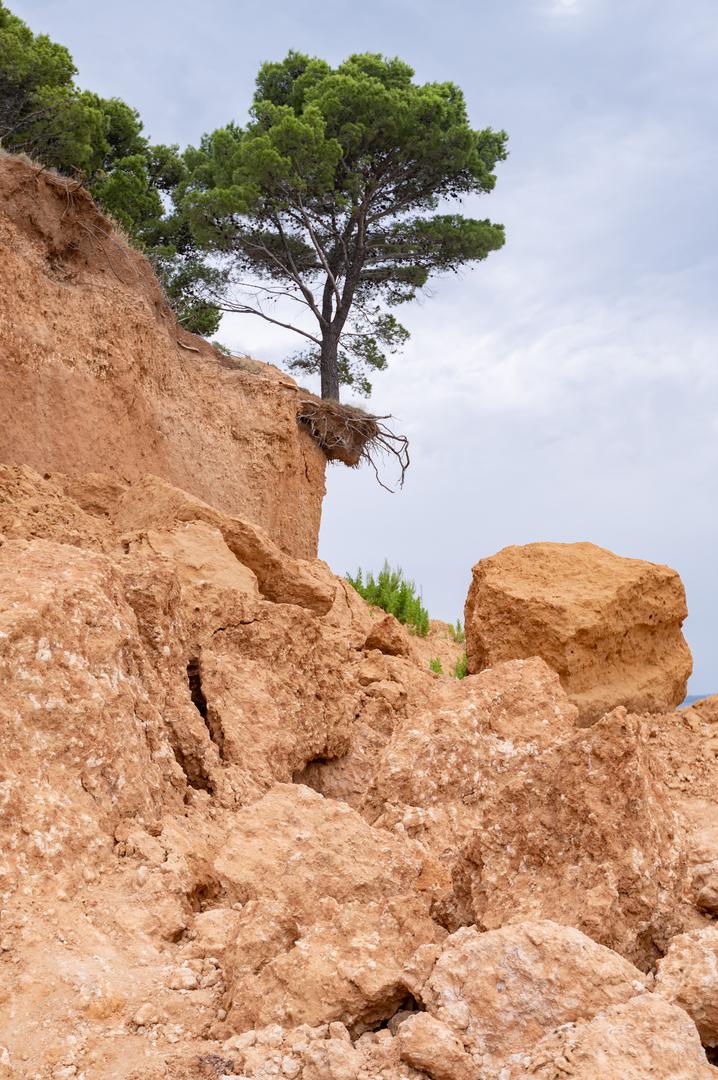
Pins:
x,y
329,368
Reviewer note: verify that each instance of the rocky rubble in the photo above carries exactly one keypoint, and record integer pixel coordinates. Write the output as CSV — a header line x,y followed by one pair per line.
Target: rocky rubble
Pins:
x,y
584,834
245,832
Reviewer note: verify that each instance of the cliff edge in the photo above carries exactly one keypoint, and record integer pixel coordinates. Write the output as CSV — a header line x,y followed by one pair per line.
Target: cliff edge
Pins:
x,y
97,376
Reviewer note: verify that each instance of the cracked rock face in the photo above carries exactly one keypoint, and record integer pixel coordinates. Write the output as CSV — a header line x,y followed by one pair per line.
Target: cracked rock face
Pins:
x,y
96,374
445,756
611,627
645,1039
501,991
243,837
333,911
584,834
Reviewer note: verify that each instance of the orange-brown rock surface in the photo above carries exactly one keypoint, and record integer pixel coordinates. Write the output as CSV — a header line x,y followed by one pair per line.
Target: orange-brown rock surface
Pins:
x,y
175,906
96,375
244,830
645,1039
499,992
582,833
446,756
688,976
611,627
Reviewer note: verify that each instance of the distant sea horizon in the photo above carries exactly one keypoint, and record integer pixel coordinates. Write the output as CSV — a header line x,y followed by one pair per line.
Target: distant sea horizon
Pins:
x,y
692,698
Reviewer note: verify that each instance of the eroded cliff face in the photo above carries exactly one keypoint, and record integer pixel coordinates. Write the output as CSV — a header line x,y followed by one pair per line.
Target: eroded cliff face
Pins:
x,y
245,832
95,374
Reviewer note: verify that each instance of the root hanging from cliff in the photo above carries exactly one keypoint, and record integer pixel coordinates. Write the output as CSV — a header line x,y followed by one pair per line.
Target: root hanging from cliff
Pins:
x,y
352,436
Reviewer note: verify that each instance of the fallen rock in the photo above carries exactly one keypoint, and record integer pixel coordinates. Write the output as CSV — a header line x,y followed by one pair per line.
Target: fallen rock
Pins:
x,y
388,636
432,1047
448,753
611,627
645,1039
151,503
278,692
686,745
582,833
84,742
499,992
332,911
688,976
390,689
200,557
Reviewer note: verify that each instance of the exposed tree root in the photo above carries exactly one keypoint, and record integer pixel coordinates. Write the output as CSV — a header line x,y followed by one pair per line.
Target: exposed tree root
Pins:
x,y
352,436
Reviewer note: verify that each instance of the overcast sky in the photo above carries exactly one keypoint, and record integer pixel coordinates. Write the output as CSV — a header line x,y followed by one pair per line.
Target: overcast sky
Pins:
x,y
566,389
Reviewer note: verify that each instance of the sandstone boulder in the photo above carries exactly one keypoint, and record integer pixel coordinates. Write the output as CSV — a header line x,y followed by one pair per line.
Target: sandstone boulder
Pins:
x,y
278,692
688,976
448,753
391,688
500,992
645,1039
431,1046
84,742
582,833
611,627
388,636
686,745
332,911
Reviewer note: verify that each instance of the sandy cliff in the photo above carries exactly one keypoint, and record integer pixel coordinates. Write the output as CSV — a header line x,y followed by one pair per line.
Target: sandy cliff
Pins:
x,y
96,376
244,831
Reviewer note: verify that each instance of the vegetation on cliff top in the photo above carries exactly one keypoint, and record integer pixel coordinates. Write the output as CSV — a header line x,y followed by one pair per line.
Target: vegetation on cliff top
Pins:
x,y
99,141
325,202
328,198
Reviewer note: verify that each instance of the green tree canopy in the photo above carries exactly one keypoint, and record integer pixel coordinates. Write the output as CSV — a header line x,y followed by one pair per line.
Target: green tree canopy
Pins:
x,y
335,196
100,141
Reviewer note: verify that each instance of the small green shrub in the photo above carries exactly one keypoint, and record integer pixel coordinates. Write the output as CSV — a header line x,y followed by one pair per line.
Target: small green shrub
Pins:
x,y
457,631
461,669
391,591
435,666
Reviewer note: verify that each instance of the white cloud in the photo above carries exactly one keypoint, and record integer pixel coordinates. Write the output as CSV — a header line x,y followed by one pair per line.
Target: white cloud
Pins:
x,y
567,389
564,7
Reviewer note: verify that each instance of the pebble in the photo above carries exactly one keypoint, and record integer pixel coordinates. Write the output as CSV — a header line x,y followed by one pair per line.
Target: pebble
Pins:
x,y
240,1042
271,1036
182,979
146,1014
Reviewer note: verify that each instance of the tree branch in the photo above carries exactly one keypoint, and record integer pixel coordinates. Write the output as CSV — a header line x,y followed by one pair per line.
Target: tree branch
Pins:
x,y
247,309
319,250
